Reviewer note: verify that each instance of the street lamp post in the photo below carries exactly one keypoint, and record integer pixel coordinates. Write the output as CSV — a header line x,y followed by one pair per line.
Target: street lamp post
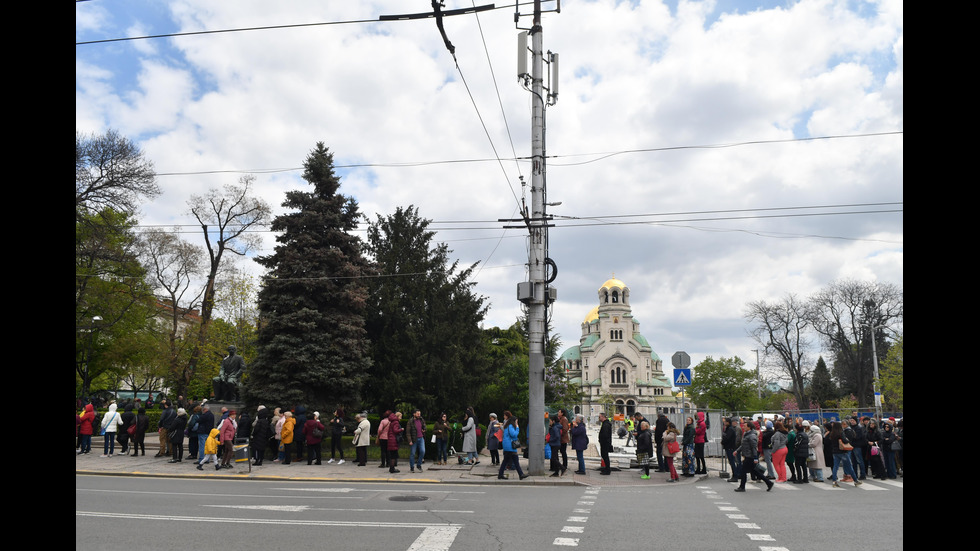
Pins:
x,y
874,354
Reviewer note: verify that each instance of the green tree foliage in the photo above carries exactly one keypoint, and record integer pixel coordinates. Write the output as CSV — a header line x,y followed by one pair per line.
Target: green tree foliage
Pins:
x,y
423,320
891,372
723,384
848,314
311,346
506,387
822,386
112,299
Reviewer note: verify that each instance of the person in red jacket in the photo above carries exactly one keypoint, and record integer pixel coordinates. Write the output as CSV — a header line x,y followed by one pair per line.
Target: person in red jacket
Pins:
x,y
85,428
227,439
394,427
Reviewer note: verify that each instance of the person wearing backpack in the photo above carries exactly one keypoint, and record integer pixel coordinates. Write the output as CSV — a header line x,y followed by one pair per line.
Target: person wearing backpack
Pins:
x,y
313,433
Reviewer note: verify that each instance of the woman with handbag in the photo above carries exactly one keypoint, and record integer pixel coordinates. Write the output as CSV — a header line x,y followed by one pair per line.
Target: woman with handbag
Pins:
x,y
123,434
644,448
493,444
362,438
313,431
670,450
511,447
110,423
840,448
687,462
816,461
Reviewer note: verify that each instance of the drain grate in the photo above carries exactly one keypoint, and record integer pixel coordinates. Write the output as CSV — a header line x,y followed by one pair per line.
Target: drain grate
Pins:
x,y
408,498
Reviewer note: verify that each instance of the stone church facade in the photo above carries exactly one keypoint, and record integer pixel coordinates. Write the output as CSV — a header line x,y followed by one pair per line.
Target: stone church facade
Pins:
x,y
614,365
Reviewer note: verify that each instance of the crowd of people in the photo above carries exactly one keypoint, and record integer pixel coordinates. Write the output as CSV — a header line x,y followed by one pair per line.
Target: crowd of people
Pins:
x,y
782,450
771,451
285,436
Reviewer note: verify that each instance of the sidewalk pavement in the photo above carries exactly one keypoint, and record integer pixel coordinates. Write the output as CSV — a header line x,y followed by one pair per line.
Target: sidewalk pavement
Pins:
x,y
481,473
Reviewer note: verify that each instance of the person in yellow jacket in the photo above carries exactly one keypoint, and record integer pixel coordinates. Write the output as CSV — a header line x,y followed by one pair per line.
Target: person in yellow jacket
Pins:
x,y
288,427
210,451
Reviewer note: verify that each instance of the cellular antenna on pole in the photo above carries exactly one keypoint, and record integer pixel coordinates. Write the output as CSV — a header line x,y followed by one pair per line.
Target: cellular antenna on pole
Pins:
x,y
536,293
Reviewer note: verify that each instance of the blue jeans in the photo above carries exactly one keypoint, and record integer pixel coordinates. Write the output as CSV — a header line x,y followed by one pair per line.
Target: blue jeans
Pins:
x,y
580,455
842,459
858,455
109,446
418,447
441,450
888,457
730,454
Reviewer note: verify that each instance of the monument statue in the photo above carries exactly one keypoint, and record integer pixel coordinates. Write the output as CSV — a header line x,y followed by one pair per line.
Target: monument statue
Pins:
x,y
227,385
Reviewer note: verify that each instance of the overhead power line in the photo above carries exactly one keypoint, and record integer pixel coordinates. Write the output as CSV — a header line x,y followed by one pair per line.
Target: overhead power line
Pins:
x,y
603,156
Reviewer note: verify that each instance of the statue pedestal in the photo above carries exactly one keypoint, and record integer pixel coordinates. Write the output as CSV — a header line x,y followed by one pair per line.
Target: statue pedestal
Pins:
x,y
216,405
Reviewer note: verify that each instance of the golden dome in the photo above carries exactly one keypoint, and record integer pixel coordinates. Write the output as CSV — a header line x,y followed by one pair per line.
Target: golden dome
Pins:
x,y
609,284
592,315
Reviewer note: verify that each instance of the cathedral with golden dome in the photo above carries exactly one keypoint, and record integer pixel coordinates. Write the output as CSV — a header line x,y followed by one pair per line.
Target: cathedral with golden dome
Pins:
x,y
613,364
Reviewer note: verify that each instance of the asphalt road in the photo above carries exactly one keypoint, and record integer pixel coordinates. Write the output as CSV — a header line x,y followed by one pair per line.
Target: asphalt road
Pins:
x,y
119,512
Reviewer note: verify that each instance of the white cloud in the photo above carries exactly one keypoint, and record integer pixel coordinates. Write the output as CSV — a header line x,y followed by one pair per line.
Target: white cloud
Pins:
x,y
633,76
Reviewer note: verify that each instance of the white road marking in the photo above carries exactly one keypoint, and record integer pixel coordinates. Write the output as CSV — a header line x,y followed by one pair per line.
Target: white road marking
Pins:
x,y
760,537
434,537
301,508
573,542
573,529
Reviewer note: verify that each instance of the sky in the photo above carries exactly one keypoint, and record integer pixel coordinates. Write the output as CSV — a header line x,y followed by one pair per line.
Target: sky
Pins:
x,y
707,154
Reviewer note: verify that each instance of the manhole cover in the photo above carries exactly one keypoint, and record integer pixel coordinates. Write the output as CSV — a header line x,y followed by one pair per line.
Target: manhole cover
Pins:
x,y
408,498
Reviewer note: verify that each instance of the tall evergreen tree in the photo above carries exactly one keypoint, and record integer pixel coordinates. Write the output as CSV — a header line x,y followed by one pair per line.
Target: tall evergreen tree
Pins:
x,y
822,387
312,348
423,320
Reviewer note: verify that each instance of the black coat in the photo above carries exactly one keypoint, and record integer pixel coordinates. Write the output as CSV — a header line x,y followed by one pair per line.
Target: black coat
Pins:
x,y
263,428
605,436
176,431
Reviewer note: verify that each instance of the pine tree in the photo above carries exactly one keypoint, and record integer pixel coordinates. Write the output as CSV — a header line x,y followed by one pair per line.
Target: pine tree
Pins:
x,y
822,387
424,320
312,348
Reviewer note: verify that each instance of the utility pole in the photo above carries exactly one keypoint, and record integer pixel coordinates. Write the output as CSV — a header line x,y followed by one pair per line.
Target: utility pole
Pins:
x,y
536,293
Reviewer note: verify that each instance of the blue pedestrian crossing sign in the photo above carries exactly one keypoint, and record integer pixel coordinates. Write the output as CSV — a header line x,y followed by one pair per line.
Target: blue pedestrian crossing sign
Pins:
x,y
682,377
